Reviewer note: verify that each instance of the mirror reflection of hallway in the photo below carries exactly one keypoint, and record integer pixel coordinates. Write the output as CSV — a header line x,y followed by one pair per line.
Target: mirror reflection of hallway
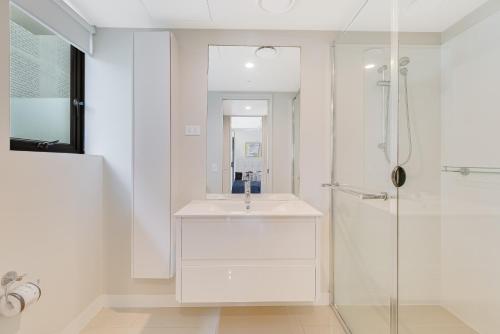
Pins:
x,y
245,138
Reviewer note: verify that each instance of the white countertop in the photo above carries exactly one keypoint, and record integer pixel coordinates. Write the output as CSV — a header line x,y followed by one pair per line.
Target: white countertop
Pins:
x,y
255,197
258,208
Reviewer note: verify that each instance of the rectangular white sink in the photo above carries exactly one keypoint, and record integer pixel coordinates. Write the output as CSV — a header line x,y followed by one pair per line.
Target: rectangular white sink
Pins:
x,y
258,208
255,197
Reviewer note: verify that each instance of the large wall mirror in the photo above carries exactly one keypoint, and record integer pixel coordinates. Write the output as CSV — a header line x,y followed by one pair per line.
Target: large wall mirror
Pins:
x,y
253,119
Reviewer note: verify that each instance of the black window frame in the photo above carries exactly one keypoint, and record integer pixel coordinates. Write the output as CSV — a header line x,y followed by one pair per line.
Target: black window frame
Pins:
x,y
77,116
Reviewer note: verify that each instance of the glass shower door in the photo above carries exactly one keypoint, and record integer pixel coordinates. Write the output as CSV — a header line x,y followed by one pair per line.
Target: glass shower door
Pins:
x,y
449,208
365,153
424,260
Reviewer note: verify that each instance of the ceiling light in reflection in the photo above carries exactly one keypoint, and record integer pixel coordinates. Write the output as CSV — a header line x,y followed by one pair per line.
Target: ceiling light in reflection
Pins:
x,y
249,65
369,66
276,6
266,52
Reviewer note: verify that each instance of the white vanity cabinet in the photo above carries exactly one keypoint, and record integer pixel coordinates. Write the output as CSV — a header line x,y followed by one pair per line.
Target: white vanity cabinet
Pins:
x,y
251,257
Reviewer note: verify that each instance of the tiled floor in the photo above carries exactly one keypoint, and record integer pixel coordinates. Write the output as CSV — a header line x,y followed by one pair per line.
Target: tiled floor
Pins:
x,y
417,319
232,320
274,320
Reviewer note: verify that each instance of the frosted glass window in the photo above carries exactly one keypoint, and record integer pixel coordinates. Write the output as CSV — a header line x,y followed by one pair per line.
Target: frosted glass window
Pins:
x,y
40,82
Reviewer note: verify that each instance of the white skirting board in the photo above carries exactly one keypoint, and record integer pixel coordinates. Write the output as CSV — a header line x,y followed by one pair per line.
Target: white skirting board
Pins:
x,y
81,321
153,301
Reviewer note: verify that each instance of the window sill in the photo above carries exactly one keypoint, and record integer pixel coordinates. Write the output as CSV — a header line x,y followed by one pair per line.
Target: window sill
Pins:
x,y
41,146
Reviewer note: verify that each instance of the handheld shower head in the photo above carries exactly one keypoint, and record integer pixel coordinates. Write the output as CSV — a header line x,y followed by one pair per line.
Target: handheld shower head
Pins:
x,y
403,61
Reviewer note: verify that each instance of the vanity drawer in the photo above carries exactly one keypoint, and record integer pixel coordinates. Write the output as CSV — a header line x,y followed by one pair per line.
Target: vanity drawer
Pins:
x,y
241,283
248,239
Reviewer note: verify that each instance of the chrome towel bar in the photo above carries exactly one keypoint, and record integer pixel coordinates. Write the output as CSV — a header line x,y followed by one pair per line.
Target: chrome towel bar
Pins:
x,y
354,192
471,170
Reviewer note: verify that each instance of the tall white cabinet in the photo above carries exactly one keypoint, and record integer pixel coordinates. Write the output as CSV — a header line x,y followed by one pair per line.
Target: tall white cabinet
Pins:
x,y
151,242
127,121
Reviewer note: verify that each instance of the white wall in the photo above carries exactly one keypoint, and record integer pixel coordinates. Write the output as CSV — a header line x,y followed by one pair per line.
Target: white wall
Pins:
x,y
215,142
282,143
50,218
470,222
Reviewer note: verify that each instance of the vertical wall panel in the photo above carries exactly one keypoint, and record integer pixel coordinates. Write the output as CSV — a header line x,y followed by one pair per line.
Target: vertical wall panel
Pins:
x,y
151,161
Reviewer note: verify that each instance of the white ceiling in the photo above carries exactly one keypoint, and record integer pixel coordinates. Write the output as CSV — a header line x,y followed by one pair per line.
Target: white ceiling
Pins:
x,y
414,15
246,122
227,71
417,15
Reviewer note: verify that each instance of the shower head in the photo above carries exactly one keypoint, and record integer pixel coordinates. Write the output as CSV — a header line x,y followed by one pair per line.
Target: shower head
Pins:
x,y
404,61
403,71
382,69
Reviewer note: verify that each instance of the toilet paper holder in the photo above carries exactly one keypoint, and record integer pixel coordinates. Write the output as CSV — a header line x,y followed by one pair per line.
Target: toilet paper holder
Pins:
x,y
8,280
17,295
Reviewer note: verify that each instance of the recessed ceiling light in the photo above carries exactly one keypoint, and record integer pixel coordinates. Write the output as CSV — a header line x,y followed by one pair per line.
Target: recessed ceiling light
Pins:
x,y
369,66
266,52
249,65
248,108
276,6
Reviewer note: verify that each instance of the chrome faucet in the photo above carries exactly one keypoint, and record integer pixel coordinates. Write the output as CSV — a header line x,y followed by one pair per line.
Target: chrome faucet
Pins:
x,y
248,189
